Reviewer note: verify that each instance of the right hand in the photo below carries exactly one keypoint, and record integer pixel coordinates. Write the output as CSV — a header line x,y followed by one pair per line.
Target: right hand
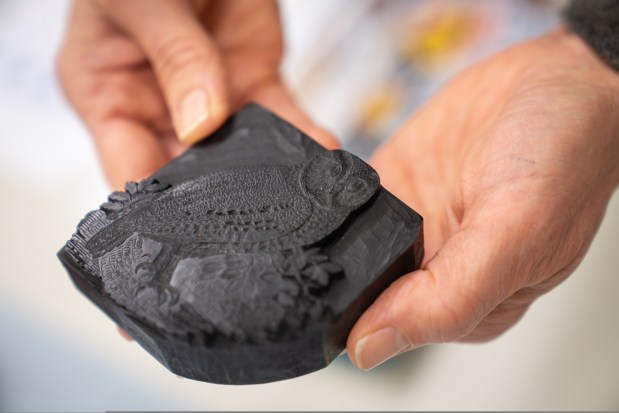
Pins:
x,y
151,77
512,165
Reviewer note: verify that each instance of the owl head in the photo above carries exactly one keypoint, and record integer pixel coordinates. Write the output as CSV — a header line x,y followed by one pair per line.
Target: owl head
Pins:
x,y
338,179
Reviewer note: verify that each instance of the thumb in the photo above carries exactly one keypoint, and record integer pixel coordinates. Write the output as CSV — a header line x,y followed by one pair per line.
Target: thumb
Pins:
x,y
185,59
442,302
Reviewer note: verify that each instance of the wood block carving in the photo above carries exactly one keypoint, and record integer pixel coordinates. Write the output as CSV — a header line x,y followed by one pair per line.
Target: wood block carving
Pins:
x,y
248,258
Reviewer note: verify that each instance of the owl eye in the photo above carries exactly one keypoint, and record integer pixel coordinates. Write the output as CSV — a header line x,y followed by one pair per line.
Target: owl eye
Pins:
x,y
334,169
356,185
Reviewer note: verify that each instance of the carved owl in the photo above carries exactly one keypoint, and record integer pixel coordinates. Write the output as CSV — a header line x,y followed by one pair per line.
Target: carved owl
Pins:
x,y
263,207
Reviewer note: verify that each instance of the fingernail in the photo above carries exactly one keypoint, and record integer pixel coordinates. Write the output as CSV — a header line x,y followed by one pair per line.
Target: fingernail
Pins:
x,y
193,111
378,347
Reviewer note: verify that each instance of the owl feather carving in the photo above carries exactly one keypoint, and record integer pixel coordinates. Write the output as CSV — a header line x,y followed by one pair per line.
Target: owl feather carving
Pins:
x,y
277,206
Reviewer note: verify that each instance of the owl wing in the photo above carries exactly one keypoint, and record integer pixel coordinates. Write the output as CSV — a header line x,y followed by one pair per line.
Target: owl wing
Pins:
x,y
239,206
266,220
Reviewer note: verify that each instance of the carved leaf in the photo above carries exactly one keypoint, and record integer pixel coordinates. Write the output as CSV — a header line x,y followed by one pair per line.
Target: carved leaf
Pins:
x,y
111,207
317,274
117,196
317,259
285,300
290,287
131,187
294,263
144,183
156,187
151,185
331,267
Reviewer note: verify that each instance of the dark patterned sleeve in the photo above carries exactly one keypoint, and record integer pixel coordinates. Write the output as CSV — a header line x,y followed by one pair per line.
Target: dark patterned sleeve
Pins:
x,y
597,22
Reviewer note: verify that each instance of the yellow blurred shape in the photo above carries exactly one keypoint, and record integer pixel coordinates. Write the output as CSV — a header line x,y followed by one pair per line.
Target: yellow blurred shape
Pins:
x,y
378,108
439,36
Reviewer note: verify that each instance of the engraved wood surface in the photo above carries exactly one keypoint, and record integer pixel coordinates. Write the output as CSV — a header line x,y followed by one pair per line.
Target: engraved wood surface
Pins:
x,y
248,258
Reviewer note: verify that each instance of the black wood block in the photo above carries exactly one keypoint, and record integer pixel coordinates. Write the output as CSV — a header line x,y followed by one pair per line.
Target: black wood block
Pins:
x,y
249,258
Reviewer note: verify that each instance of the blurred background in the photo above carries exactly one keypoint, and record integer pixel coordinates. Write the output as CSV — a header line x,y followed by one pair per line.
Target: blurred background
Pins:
x,y
360,68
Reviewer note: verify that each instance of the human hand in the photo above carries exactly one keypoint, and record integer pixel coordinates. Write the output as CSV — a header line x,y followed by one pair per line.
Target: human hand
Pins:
x,y
143,73
511,165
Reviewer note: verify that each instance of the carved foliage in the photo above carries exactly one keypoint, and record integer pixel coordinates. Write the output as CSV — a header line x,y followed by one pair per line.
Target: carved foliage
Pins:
x,y
134,191
234,253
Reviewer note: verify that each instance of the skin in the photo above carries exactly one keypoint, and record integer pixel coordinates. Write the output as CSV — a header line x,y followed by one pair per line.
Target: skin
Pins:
x,y
511,164
146,94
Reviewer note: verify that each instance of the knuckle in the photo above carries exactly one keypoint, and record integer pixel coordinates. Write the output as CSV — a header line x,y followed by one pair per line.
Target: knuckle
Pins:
x,y
177,54
455,317
71,78
452,324
108,96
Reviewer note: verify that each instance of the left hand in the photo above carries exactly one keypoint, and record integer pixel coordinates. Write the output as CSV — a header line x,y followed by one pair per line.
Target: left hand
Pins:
x,y
511,165
149,78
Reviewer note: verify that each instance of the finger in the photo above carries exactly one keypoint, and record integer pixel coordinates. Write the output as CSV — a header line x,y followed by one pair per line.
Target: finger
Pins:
x,y
186,60
129,151
124,334
470,275
275,96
